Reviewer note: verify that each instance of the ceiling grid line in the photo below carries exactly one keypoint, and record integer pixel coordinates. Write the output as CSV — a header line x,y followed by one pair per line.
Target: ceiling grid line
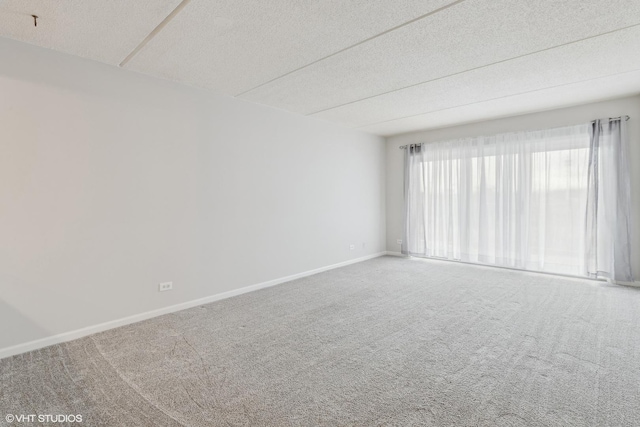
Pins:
x,y
497,98
397,27
154,32
472,69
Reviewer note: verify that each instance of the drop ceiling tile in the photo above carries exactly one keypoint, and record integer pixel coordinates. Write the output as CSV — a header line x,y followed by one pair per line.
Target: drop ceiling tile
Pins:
x,y
589,59
234,45
465,36
105,31
547,99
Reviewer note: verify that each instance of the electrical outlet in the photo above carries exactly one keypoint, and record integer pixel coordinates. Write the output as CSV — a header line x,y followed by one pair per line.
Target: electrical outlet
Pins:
x,y
166,286
399,241
352,247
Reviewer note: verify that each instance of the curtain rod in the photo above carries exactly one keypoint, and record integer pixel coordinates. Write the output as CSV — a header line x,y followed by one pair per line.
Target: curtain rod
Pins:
x,y
402,147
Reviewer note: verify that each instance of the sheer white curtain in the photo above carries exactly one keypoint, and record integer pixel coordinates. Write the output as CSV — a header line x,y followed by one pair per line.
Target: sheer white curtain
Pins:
x,y
555,200
515,200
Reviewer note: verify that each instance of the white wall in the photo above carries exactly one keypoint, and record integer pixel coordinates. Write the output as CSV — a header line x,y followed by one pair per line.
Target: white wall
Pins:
x,y
543,120
111,182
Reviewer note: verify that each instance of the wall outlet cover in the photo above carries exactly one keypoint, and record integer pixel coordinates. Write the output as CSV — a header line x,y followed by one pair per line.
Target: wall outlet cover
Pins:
x,y
165,286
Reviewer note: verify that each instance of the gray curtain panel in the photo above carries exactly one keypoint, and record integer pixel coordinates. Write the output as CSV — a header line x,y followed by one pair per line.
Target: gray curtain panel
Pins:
x,y
607,219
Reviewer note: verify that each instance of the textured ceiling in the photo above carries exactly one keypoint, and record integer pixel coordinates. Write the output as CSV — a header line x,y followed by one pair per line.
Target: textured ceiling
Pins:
x,y
106,31
235,45
384,66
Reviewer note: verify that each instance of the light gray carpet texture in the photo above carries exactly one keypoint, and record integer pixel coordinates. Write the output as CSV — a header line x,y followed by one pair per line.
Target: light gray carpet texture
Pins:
x,y
385,342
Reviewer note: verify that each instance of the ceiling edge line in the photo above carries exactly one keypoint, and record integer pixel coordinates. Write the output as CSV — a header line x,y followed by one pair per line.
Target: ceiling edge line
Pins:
x,y
154,32
499,97
404,24
471,69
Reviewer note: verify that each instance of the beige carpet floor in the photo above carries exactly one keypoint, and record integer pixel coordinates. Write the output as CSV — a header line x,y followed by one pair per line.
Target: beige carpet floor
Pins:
x,y
386,342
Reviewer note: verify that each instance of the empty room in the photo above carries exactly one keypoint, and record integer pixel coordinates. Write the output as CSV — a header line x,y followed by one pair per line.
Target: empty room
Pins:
x,y
320,213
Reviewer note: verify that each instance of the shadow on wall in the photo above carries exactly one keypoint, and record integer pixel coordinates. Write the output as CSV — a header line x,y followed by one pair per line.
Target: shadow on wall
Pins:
x,y
16,325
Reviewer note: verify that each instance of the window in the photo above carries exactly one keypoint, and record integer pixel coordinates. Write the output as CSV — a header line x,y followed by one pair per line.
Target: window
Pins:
x,y
515,200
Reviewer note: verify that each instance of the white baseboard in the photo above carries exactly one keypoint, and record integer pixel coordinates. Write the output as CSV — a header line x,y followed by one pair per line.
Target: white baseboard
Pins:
x,y
635,284
79,333
391,253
